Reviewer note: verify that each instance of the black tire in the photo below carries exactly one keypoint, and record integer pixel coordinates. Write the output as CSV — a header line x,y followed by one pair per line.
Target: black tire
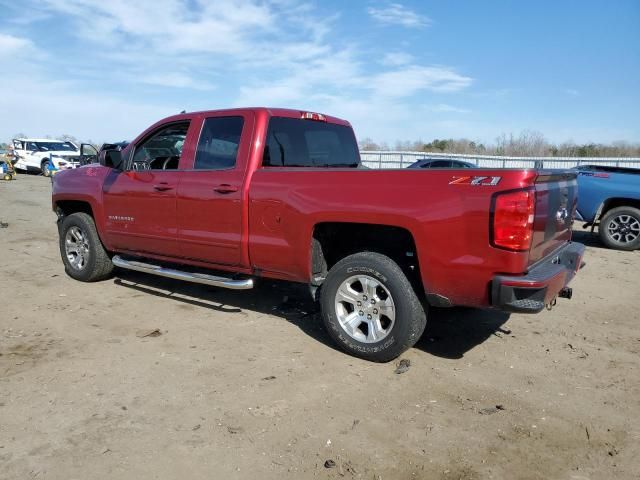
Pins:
x,y
618,235
96,263
45,169
410,317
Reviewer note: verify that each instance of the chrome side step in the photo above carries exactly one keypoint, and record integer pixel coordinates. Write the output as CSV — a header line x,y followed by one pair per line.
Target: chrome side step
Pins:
x,y
203,278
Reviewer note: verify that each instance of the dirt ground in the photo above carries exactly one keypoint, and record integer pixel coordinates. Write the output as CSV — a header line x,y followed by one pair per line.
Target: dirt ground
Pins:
x,y
247,385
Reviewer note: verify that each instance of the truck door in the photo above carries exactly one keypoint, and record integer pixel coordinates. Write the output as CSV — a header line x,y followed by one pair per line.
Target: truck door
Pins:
x,y
211,199
18,152
140,201
25,151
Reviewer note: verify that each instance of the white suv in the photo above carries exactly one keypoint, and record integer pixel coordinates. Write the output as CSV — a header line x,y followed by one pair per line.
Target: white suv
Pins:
x,y
38,154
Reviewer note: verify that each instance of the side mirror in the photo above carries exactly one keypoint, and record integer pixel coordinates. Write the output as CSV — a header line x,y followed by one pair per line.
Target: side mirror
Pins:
x,y
111,158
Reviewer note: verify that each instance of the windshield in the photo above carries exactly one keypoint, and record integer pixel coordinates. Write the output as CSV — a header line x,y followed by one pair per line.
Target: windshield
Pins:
x,y
293,142
52,146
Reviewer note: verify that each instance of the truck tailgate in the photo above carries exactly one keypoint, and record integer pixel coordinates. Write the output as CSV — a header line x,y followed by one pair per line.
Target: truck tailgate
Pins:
x,y
556,200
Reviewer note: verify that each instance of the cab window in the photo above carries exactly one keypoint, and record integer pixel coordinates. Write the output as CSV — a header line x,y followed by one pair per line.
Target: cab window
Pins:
x,y
162,150
219,143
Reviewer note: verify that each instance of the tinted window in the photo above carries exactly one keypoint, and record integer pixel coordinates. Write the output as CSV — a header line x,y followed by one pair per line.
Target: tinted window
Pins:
x,y
440,164
162,150
306,143
218,144
55,146
460,165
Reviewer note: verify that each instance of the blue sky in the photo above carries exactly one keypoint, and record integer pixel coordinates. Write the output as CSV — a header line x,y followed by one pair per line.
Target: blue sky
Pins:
x,y
106,69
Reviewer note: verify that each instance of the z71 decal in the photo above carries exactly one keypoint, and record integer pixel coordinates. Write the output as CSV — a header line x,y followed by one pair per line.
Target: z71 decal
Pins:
x,y
484,181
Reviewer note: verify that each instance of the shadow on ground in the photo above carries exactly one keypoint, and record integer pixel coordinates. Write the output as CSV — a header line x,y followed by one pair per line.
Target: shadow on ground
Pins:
x,y
587,238
289,301
450,333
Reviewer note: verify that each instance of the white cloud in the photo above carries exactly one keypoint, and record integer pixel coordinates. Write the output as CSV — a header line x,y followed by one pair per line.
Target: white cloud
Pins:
x,y
39,107
175,80
252,52
398,14
445,108
395,59
572,92
12,46
411,79
169,26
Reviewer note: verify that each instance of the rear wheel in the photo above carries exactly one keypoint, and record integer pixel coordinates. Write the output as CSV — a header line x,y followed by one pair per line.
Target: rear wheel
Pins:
x,y
370,308
620,228
83,254
45,167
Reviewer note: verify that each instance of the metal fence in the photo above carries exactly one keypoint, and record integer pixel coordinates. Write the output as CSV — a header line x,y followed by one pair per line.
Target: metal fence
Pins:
x,y
388,159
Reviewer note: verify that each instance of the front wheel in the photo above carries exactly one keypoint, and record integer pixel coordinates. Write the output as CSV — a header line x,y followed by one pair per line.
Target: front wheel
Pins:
x,y
370,308
83,254
620,228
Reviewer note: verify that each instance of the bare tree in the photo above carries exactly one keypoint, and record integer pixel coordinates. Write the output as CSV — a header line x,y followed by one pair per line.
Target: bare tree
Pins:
x,y
368,144
68,138
529,143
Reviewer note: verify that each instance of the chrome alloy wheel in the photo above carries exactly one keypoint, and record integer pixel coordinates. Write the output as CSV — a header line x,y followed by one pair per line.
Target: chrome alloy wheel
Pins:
x,y
624,229
76,246
365,309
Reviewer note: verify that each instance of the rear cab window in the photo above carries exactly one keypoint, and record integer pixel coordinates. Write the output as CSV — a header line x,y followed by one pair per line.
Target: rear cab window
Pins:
x,y
293,142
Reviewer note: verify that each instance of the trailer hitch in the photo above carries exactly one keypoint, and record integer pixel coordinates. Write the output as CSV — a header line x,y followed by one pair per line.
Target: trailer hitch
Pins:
x,y
566,292
551,304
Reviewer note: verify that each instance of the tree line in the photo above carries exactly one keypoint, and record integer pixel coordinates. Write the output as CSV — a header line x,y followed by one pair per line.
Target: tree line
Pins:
x,y
527,144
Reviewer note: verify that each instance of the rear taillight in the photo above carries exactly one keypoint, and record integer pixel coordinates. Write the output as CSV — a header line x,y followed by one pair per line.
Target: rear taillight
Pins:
x,y
513,214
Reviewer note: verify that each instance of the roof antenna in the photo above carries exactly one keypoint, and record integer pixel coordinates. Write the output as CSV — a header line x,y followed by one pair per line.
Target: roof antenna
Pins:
x,y
183,111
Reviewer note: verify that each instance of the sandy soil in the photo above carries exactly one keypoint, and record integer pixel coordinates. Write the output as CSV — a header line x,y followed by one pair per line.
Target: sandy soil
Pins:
x,y
247,385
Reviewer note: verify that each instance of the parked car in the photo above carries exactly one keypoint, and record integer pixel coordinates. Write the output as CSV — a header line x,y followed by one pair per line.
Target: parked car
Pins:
x,y
42,155
272,193
610,199
436,162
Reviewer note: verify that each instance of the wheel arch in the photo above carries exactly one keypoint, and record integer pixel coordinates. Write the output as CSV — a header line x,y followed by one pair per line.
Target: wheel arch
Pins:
x,y
66,207
333,241
615,202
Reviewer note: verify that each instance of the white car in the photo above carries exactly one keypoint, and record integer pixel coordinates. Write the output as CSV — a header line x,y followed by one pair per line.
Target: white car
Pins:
x,y
38,154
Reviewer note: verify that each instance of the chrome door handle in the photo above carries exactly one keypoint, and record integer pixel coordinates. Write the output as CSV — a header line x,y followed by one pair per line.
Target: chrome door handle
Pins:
x,y
162,187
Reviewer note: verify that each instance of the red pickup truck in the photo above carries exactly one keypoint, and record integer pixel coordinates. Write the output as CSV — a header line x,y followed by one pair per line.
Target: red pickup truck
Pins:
x,y
226,197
